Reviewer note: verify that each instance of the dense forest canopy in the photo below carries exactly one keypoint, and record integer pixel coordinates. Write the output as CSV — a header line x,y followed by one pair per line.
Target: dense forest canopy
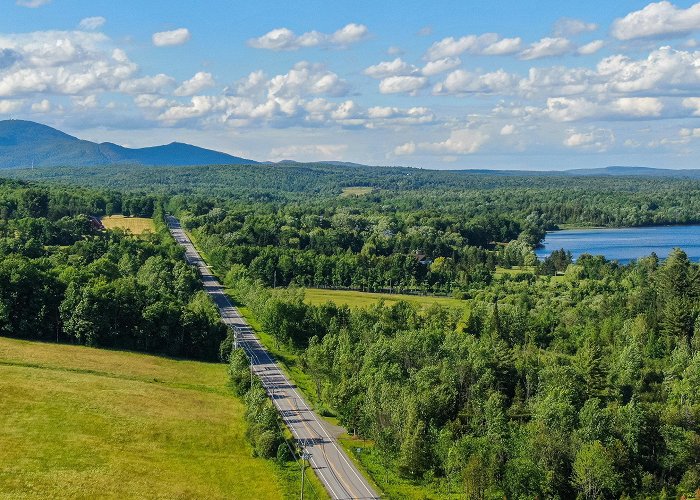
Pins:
x,y
566,379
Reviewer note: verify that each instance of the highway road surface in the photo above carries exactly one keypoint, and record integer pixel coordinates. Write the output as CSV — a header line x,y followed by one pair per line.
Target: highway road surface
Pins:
x,y
331,464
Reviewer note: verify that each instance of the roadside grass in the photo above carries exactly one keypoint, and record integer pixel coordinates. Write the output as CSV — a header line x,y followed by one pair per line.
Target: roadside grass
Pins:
x,y
349,192
354,298
363,453
77,422
135,225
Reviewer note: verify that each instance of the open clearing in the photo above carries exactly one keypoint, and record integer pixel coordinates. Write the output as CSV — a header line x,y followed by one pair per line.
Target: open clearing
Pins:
x,y
135,225
356,191
77,422
354,298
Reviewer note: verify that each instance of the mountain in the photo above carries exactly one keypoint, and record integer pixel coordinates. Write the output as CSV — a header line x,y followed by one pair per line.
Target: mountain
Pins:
x,y
636,171
25,143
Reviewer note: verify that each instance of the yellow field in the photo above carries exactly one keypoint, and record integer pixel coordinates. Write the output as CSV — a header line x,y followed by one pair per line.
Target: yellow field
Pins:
x,y
135,225
77,422
364,299
355,191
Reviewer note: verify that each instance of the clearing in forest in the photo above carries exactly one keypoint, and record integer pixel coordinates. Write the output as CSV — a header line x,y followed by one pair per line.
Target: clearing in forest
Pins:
x,y
135,225
77,422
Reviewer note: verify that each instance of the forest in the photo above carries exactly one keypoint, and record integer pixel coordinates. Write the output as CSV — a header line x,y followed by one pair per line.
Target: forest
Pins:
x,y
63,279
571,379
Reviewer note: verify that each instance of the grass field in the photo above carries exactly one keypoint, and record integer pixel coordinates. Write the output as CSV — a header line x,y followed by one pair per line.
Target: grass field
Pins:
x,y
135,225
354,298
355,191
77,422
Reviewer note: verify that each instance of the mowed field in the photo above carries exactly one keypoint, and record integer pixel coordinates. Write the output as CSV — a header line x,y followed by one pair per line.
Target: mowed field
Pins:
x,y
356,191
354,298
135,225
77,422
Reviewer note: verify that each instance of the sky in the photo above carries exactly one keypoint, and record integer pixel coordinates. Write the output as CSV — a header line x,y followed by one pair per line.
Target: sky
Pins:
x,y
537,85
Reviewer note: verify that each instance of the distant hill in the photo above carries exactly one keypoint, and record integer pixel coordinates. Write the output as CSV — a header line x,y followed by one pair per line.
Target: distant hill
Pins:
x,y
636,171
26,143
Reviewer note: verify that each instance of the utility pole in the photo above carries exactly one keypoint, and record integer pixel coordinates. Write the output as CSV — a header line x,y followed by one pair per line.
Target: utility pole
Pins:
x,y
304,457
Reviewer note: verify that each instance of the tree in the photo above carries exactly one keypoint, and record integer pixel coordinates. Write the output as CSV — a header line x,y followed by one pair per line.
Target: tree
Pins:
x,y
594,472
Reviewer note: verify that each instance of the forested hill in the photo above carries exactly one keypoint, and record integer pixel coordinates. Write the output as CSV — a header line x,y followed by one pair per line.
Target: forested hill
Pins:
x,y
25,143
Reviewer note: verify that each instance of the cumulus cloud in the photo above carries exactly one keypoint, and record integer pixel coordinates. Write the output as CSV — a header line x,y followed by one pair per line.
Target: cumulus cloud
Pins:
x,y
402,84
197,83
147,85
32,4
61,62
440,65
170,38
547,47
386,69
657,20
599,139
508,129
460,142
43,106
465,82
564,109
486,44
285,39
8,106
571,27
591,47
92,23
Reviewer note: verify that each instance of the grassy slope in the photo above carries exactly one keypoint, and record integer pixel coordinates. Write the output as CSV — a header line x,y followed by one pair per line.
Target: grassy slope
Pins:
x,y
84,423
363,299
135,225
349,192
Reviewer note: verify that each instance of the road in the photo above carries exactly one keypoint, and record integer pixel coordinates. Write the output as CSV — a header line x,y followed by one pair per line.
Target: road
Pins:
x,y
331,464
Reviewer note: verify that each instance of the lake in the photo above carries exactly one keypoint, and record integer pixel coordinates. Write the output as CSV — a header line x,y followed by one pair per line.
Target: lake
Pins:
x,y
626,244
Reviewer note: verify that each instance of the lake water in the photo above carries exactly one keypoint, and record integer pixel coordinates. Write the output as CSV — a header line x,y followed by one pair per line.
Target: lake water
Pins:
x,y
625,245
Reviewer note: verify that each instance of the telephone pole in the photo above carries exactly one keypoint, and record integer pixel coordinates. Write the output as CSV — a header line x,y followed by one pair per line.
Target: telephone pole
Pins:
x,y
304,457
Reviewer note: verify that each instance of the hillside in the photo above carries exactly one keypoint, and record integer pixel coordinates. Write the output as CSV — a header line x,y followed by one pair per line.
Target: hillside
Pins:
x,y
77,422
25,143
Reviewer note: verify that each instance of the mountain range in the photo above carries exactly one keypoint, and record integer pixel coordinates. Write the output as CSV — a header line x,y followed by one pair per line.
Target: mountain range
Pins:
x,y
26,144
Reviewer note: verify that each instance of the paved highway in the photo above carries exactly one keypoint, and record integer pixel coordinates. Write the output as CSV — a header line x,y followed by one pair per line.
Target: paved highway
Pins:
x,y
328,460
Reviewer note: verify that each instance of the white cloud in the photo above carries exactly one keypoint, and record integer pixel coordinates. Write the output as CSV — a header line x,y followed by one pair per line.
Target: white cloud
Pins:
x,y
591,47
465,82
63,62
407,148
197,83
572,27
460,142
440,66
147,85
565,109
689,132
10,106
401,84
508,129
386,69
503,47
391,115
286,39
657,20
547,47
638,106
486,44
599,139
307,79
92,23
32,4
43,106
692,103
170,38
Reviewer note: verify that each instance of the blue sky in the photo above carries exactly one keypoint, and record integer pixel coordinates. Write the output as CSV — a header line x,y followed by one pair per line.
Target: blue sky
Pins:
x,y
448,84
